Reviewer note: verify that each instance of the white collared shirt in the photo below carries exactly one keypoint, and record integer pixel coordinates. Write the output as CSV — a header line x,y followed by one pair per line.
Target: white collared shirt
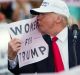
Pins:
x,y
62,43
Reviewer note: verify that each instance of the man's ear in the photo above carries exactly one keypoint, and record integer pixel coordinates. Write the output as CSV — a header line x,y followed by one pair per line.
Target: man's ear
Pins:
x,y
59,19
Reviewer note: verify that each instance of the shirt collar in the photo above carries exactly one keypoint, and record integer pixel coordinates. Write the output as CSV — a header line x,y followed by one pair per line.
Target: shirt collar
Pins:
x,y
62,36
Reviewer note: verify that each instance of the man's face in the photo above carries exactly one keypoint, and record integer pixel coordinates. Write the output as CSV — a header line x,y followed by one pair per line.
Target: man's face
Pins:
x,y
46,21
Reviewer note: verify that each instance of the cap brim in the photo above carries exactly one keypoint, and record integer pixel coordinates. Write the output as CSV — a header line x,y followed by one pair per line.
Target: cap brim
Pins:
x,y
34,12
39,11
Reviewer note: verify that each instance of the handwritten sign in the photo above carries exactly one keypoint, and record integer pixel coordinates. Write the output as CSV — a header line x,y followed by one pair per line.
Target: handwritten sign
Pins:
x,y
34,48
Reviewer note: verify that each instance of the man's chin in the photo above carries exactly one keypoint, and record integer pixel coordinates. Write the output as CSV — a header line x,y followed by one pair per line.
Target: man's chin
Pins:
x,y
42,31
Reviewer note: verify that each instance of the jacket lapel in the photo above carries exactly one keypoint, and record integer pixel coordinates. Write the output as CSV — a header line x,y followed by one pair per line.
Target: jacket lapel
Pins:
x,y
50,57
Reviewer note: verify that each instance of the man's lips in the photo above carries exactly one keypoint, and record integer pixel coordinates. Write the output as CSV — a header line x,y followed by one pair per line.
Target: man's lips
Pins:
x,y
39,23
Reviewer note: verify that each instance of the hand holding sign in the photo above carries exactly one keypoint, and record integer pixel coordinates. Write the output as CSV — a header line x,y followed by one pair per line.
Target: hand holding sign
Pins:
x,y
32,48
13,47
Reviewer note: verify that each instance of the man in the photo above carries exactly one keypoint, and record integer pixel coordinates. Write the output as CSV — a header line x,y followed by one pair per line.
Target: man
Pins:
x,y
53,21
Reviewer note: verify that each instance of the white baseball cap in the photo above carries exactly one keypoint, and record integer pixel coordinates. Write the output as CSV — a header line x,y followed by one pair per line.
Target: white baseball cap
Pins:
x,y
56,6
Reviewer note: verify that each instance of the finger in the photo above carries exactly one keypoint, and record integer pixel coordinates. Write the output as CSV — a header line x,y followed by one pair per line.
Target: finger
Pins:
x,y
17,49
18,45
15,41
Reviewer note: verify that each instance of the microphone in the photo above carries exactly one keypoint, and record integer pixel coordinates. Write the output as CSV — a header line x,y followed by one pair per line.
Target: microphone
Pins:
x,y
75,31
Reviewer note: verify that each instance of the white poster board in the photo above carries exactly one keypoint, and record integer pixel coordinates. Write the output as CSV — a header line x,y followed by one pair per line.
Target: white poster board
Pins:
x,y
34,48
